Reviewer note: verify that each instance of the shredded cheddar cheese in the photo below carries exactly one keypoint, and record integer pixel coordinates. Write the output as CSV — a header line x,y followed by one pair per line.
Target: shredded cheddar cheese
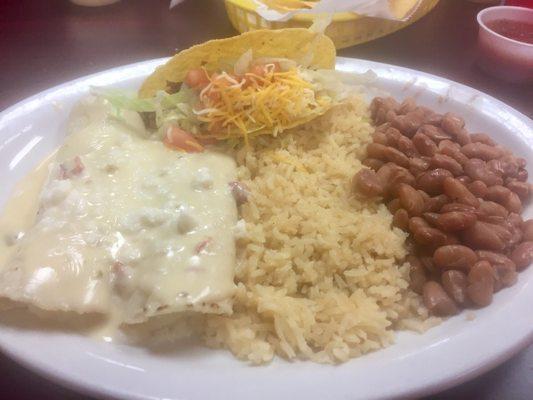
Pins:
x,y
252,105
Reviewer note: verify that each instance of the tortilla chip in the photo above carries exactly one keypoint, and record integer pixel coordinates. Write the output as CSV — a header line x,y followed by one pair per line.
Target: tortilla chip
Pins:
x,y
293,43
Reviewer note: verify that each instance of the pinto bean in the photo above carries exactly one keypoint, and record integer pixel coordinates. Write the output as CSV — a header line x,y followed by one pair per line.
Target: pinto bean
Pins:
x,y
452,123
433,119
390,115
417,274
431,217
434,133
455,283
426,235
396,156
455,257
482,235
456,191
491,208
463,137
478,188
516,220
522,255
376,150
464,179
437,300
408,123
394,205
390,175
434,204
505,275
498,193
392,135
482,138
522,175
494,258
522,189
503,167
452,150
424,145
478,171
445,162
382,127
406,146
431,182
398,176
375,104
373,163
380,105
449,207
500,227
517,235
380,137
410,199
427,262
527,228
401,219
387,153
513,203
425,196
455,221
384,173
408,105
492,219
418,165
481,151
481,283
367,183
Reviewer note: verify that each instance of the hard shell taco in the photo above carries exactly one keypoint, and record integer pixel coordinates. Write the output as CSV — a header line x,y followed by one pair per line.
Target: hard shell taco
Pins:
x,y
260,82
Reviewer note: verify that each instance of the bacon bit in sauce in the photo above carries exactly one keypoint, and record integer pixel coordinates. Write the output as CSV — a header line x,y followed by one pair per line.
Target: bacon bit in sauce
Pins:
x,y
203,245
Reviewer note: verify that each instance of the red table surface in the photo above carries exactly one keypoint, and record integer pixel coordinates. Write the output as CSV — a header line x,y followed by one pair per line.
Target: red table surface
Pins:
x,y
44,43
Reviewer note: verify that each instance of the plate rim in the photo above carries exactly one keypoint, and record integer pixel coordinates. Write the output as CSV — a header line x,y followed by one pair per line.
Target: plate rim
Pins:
x,y
68,381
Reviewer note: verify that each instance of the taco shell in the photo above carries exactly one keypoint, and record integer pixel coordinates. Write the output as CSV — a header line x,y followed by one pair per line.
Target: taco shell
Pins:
x,y
297,44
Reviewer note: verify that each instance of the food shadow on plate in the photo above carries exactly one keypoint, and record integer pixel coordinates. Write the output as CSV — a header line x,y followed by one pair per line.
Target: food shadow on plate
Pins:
x,y
166,335
19,316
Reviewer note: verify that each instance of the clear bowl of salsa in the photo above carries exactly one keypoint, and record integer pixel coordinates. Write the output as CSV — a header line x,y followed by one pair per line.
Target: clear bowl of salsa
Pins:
x,y
505,43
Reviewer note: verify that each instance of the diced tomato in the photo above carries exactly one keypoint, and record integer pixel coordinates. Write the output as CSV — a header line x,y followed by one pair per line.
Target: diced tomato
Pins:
x,y
197,78
203,245
178,139
258,70
207,140
277,67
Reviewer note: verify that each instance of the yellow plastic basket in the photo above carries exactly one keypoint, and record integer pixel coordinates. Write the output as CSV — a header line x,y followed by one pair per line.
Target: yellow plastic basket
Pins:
x,y
346,29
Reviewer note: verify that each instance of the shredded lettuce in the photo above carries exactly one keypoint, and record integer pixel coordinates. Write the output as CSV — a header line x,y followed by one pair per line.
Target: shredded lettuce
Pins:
x,y
123,100
168,108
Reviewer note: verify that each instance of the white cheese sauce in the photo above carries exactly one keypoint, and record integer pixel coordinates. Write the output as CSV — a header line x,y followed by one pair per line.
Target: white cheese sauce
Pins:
x,y
123,225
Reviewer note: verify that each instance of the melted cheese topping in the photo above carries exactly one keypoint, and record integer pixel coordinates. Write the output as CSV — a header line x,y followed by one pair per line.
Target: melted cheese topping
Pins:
x,y
123,224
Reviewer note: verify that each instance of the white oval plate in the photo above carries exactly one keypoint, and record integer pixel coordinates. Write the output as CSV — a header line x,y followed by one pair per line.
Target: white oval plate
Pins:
x,y
447,355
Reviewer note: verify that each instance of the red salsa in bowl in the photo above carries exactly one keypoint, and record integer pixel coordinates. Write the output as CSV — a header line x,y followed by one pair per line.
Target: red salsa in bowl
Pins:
x,y
516,30
505,43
